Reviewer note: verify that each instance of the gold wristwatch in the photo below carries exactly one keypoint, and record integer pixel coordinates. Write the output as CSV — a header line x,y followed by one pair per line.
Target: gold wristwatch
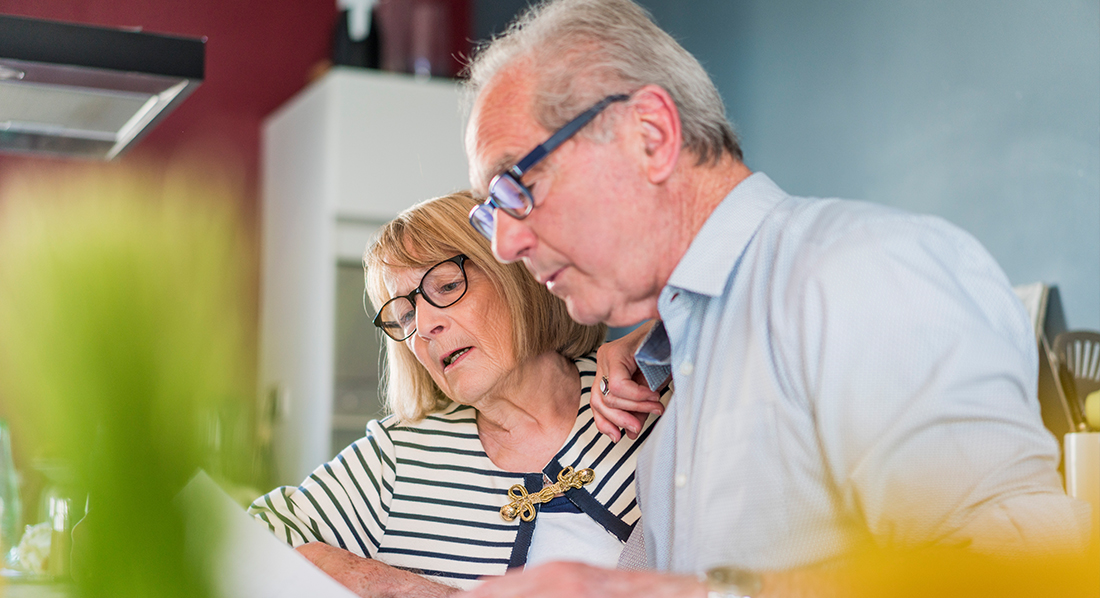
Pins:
x,y
731,582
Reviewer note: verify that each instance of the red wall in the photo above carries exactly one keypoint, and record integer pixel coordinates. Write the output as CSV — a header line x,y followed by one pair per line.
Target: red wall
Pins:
x,y
258,54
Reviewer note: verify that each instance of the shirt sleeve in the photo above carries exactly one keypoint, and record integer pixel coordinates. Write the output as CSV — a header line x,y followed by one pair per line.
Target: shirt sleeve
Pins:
x,y
921,371
344,502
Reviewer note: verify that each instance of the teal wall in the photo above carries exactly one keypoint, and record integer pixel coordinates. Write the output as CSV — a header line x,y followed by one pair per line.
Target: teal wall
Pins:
x,y
985,112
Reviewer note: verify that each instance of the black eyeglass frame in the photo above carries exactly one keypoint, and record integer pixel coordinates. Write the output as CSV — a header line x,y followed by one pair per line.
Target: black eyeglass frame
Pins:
x,y
483,212
459,259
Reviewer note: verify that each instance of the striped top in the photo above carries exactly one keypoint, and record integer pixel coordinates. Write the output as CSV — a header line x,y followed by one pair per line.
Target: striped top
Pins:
x,y
426,498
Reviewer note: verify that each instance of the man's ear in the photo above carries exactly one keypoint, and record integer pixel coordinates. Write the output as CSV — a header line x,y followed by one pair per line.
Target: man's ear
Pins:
x,y
659,122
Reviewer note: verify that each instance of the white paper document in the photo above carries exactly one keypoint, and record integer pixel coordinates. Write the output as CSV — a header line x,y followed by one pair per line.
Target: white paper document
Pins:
x,y
250,562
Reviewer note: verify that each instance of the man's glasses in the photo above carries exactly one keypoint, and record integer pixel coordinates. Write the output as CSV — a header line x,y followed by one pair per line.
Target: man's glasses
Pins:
x,y
508,193
442,286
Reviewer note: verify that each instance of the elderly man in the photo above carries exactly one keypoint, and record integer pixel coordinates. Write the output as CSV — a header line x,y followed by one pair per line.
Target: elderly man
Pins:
x,y
845,373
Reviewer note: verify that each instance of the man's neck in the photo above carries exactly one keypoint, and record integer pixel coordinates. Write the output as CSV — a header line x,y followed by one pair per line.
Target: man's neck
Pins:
x,y
694,193
676,215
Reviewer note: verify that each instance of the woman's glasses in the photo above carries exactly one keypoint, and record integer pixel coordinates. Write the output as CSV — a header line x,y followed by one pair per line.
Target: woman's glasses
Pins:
x,y
442,286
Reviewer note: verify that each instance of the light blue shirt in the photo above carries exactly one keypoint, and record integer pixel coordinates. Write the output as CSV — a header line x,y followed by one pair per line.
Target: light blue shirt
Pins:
x,y
843,372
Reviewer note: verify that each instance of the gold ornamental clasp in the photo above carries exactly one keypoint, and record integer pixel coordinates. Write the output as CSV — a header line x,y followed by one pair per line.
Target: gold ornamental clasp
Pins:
x,y
523,504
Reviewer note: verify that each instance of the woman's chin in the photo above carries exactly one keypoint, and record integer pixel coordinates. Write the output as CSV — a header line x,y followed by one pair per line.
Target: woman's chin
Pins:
x,y
456,389
473,378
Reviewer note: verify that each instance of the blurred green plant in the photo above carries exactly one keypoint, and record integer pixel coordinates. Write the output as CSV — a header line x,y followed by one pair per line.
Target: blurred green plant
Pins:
x,y
122,341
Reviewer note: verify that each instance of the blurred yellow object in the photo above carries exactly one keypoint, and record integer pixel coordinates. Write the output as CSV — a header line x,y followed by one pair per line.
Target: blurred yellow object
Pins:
x,y
1092,410
941,572
958,572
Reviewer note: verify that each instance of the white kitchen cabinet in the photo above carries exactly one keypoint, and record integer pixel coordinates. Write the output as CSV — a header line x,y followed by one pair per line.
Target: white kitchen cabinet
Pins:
x,y
342,157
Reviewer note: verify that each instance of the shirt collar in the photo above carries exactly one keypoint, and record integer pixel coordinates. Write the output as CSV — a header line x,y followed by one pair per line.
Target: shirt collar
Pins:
x,y
710,258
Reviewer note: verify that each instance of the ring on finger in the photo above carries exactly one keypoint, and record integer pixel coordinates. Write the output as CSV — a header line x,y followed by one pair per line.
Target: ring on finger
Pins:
x,y
604,388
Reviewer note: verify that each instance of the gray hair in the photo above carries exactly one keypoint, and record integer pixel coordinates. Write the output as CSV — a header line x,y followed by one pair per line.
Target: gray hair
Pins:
x,y
587,49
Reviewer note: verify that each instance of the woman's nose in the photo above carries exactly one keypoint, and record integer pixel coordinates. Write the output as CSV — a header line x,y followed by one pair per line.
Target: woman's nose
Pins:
x,y
430,320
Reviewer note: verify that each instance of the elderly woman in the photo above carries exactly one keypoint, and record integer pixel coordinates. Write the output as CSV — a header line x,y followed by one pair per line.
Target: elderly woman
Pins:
x,y
491,459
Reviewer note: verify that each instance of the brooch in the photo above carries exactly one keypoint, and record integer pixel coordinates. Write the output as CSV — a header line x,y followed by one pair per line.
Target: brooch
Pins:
x,y
523,504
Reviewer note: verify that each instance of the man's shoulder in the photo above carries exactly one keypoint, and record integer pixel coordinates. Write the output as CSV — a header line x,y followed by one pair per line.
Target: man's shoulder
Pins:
x,y
875,256
798,241
822,222
824,230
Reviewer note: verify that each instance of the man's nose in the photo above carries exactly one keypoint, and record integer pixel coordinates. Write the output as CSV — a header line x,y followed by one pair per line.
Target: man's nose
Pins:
x,y
513,239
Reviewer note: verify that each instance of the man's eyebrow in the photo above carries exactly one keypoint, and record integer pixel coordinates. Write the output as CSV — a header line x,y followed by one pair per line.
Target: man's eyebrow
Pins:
x,y
500,166
506,162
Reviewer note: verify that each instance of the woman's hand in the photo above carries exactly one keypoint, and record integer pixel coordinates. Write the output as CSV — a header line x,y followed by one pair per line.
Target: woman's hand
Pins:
x,y
629,401
369,578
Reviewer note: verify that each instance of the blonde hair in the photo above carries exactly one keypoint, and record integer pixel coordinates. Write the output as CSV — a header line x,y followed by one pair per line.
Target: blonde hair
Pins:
x,y
588,49
438,229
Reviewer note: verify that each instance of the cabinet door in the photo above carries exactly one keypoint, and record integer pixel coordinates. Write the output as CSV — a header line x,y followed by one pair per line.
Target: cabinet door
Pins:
x,y
356,400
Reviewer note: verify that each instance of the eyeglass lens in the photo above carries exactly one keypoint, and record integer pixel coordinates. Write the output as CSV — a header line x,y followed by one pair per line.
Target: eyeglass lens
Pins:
x,y
442,286
510,195
482,219
507,194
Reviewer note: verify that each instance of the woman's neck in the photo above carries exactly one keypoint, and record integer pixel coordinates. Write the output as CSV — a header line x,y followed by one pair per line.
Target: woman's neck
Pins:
x,y
524,422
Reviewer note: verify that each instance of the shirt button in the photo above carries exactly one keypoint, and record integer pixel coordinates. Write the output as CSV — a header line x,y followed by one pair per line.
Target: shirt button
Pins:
x,y
686,368
681,480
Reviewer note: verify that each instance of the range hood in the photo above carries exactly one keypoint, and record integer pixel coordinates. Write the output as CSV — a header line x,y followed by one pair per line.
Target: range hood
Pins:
x,y
88,92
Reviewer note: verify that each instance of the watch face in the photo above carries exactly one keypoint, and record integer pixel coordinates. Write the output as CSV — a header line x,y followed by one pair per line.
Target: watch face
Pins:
x,y
731,581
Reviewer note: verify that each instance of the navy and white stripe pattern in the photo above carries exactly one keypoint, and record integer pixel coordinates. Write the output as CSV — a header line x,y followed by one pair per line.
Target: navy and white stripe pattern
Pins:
x,y
425,497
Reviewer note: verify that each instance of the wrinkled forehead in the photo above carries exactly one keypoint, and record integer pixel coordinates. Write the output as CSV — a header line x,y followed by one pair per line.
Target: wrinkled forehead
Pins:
x,y
401,281
402,269
502,127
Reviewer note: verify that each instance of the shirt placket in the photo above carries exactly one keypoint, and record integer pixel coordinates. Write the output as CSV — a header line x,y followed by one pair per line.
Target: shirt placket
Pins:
x,y
677,308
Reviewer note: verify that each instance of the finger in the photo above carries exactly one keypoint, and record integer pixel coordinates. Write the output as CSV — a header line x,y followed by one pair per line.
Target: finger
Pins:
x,y
615,403
596,397
602,424
622,382
629,421
616,418
635,426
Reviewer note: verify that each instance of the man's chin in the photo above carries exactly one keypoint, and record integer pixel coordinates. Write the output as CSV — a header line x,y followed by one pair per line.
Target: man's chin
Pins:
x,y
588,312
585,314
582,313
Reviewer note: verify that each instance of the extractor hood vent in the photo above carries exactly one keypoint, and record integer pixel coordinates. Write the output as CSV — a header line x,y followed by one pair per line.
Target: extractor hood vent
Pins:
x,y
88,92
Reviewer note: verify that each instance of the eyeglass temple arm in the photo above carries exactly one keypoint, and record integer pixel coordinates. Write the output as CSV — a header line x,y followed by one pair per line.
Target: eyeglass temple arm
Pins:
x,y
563,133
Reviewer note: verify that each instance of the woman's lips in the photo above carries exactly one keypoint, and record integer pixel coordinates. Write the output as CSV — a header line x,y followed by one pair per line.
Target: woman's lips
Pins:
x,y
454,357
